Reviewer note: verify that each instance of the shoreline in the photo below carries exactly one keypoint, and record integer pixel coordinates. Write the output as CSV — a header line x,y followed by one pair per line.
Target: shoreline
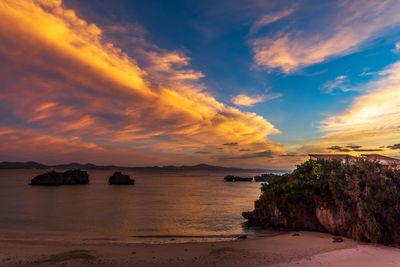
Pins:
x,y
158,239
282,249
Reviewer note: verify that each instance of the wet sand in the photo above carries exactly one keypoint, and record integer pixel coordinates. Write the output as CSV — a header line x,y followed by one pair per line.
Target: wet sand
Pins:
x,y
286,249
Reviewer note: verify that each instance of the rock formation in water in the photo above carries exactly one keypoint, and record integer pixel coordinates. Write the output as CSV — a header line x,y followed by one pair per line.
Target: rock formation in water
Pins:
x,y
231,178
358,200
59,178
264,177
121,179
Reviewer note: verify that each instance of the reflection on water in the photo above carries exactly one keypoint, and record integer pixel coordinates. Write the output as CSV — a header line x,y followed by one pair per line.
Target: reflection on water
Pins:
x,y
194,203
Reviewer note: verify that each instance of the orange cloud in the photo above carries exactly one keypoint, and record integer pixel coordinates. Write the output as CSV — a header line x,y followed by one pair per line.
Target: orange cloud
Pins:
x,y
244,100
269,18
248,101
23,145
77,86
354,23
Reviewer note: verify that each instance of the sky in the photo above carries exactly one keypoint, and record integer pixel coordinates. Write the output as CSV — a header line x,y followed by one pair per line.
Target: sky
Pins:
x,y
246,83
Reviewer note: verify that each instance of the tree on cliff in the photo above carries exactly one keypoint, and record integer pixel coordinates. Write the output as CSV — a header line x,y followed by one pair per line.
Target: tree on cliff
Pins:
x,y
360,200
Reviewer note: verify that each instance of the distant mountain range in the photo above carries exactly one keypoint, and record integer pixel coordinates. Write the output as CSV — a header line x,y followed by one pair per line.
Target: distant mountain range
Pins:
x,y
90,166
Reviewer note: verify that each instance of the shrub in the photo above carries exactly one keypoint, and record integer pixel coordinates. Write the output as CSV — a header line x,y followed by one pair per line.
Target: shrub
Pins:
x,y
367,193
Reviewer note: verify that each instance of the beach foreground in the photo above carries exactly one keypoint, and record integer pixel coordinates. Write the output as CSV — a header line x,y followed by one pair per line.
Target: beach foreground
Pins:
x,y
287,249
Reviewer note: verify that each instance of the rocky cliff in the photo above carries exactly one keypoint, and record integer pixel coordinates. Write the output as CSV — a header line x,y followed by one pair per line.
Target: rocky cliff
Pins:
x,y
359,200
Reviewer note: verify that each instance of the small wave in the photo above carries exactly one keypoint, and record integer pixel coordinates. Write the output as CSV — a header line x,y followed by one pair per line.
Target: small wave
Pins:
x,y
185,236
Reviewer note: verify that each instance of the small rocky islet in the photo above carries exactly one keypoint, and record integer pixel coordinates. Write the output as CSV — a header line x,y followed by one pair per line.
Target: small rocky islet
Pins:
x,y
263,178
76,177
120,179
70,177
231,178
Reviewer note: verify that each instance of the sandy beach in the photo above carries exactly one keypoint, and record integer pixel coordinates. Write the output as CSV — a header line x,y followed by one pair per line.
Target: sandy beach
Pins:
x,y
286,249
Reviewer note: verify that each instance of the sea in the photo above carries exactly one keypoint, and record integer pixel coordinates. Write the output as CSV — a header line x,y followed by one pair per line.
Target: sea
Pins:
x,y
161,205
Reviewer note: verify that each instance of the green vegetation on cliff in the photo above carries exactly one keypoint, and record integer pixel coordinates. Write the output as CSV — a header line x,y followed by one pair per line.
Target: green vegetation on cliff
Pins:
x,y
360,200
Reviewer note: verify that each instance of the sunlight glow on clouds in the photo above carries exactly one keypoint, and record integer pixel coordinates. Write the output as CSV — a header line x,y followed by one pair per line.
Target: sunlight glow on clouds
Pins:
x,y
78,90
340,83
396,49
268,19
373,119
370,124
244,100
249,101
354,23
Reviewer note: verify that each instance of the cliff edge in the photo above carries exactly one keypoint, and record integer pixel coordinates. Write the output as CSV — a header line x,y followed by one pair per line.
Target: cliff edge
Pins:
x,y
359,200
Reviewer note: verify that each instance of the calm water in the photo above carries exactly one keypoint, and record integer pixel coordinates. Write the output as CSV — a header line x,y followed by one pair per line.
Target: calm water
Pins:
x,y
160,203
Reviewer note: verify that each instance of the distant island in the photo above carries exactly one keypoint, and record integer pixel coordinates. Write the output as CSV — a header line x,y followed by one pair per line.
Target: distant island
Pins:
x,y
89,166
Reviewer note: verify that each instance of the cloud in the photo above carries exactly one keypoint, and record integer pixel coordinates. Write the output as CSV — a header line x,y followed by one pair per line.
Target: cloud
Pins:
x,y
349,25
368,150
293,155
396,48
244,100
371,121
339,148
269,18
263,154
248,101
75,83
369,73
340,83
376,110
395,146
23,145
353,147
231,144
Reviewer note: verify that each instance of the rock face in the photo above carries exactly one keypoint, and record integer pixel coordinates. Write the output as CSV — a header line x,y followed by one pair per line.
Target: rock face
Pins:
x,y
359,200
231,178
300,217
60,178
121,179
333,221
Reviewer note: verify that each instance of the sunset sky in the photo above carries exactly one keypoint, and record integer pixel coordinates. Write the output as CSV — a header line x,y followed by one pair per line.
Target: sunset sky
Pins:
x,y
246,83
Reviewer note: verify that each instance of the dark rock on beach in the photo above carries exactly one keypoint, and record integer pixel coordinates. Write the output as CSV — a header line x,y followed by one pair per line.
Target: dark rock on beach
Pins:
x,y
231,178
337,239
59,178
121,179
